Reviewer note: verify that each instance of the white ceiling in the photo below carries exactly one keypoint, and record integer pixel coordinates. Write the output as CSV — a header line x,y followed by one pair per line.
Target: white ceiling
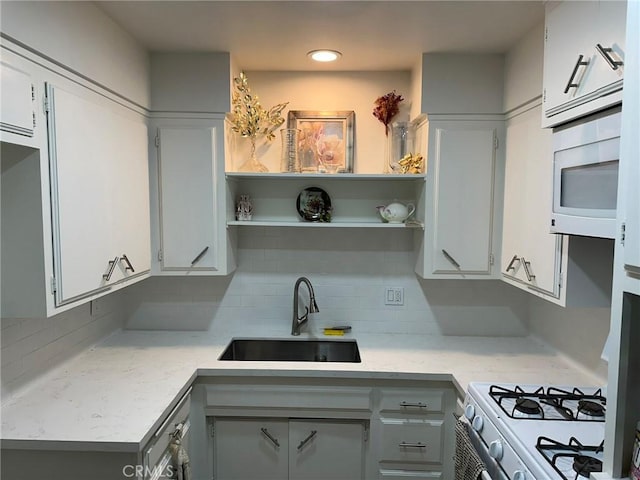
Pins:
x,y
372,35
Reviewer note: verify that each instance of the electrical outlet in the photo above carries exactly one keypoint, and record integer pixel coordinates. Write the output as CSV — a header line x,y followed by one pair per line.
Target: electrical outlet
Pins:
x,y
394,296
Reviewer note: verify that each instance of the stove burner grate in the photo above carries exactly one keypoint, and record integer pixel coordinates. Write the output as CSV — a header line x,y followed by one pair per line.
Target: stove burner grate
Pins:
x,y
582,457
572,405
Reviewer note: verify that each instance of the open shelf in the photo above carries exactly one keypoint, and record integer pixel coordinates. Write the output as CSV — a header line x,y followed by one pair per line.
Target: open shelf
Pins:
x,y
326,176
301,224
354,198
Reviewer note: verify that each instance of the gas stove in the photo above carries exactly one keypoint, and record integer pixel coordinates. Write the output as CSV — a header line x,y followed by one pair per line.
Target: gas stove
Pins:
x,y
537,432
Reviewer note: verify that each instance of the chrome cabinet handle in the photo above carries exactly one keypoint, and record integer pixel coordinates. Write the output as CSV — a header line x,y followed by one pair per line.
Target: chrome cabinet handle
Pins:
x,y
128,265
307,440
412,445
413,404
112,267
270,437
199,256
510,266
579,63
605,51
527,272
451,259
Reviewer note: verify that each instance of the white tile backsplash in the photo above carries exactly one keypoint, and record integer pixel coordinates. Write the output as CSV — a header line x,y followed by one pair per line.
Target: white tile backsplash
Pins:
x,y
349,270
32,346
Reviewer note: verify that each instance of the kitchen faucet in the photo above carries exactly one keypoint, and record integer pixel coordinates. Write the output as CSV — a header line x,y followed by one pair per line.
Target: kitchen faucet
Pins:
x,y
312,308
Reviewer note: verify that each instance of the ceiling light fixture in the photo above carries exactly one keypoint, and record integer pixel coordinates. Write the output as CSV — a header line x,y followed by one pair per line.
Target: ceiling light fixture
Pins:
x,y
324,55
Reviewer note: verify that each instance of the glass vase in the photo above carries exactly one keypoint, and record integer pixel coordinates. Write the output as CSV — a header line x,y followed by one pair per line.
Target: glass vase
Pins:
x,y
253,164
400,142
289,157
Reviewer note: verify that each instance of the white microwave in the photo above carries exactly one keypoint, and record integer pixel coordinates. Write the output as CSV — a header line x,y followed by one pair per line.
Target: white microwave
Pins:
x,y
586,159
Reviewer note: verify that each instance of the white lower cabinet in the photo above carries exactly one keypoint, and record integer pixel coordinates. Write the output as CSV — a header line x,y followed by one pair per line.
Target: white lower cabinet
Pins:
x,y
532,257
187,169
350,429
295,449
460,222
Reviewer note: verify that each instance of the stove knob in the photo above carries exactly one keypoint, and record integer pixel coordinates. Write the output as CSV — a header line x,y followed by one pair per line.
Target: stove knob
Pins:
x,y
495,450
478,423
469,411
519,475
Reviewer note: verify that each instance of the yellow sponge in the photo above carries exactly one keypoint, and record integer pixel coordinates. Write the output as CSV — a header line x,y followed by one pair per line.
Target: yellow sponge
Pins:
x,y
333,331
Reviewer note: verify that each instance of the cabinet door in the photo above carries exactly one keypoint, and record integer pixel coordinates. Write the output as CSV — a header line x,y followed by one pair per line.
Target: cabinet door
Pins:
x,y
16,101
131,225
99,194
320,450
630,147
575,69
188,209
250,449
527,203
463,182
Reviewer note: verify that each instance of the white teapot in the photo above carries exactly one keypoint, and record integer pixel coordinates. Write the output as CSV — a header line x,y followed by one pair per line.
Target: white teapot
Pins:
x,y
396,212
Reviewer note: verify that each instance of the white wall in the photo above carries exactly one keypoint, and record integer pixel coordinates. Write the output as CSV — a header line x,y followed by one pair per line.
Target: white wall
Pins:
x,y
83,38
523,69
33,346
349,271
356,91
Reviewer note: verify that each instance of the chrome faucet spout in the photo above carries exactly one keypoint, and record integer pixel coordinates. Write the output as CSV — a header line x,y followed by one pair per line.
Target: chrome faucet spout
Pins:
x,y
299,321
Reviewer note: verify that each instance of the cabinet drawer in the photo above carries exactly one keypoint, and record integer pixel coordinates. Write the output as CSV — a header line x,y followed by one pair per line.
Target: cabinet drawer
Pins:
x,y
412,441
158,445
411,401
290,397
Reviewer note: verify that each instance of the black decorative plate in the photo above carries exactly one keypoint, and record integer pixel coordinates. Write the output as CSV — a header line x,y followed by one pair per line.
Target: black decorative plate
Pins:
x,y
314,205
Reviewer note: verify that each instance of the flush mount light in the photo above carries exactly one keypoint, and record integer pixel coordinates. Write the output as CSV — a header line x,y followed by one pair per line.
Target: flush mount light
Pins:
x,y
324,55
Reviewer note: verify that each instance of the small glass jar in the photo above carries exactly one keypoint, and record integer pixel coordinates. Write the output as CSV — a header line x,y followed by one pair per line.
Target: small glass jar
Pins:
x,y
289,158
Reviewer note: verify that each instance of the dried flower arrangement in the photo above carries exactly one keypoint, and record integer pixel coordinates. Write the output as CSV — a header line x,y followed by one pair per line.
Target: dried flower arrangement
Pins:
x,y
251,120
387,107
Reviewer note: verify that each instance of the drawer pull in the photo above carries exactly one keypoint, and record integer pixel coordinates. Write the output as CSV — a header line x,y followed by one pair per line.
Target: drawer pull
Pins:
x,y
412,445
413,404
128,266
605,52
510,266
307,440
578,64
451,259
527,271
270,437
199,256
112,267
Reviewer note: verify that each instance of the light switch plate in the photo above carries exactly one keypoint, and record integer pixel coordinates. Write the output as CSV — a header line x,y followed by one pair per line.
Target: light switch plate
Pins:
x,y
394,296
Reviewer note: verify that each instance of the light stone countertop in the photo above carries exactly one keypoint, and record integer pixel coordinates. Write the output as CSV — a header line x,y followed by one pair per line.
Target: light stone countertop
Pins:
x,y
113,396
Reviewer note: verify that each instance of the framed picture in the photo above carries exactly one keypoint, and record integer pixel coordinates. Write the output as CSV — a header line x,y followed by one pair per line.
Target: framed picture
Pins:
x,y
325,142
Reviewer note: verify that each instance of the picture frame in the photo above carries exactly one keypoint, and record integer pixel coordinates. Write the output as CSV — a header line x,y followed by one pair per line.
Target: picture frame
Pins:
x,y
326,140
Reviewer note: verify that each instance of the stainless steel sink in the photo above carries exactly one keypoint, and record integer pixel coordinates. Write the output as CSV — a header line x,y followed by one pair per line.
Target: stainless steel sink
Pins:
x,y
270,350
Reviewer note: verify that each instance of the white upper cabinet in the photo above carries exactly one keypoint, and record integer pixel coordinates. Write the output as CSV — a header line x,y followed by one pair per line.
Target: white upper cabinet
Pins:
x,y
459,217
99,188
17,102
584,58
630,151
189,164
531,256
